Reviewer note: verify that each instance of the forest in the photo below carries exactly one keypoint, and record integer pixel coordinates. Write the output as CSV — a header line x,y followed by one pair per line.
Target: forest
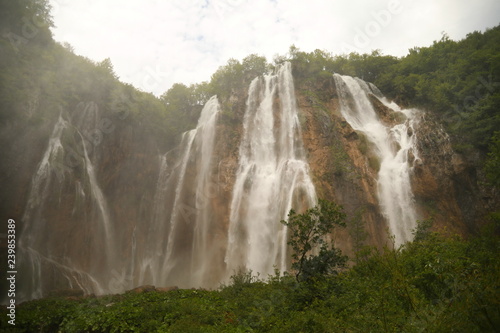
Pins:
x,y
439,282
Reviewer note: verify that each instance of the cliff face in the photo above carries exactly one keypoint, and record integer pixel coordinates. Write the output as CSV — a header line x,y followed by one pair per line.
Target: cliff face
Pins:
x,y
85,178
102,208
446,189
342,172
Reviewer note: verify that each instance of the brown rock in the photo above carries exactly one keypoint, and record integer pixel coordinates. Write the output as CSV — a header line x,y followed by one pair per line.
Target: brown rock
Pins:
x,y
351,136
167,289
143,289
69,293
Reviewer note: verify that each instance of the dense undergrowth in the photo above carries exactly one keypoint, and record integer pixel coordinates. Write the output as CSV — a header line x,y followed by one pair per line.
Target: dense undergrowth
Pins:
x,y
437,283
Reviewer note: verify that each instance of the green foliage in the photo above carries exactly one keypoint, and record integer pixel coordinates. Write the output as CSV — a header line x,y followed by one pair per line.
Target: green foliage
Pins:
x,y
44,315
322,64
308,232
32,15
234,77
182,108
422,231
39,79
107,67
357,231
175,311
493,162
437,283
457,81
342,165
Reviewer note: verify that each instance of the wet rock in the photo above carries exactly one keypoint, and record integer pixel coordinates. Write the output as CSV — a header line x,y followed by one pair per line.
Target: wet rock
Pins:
x,y
411,157
167,289
458,163
352,136
69,293
143,289
388,116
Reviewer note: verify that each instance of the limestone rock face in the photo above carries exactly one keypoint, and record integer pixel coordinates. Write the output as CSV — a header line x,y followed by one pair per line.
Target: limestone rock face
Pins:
x,y
447,187
341,172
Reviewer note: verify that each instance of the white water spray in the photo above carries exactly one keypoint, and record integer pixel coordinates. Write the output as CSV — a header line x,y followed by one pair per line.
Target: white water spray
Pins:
x,y
42,247
393,146
272,178
180,233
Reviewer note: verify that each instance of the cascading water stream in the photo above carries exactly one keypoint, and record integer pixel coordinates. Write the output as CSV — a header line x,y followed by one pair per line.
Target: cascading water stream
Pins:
x,y
177,216
100,201
188,219
41,181
272,178
393,146
67,163
38,195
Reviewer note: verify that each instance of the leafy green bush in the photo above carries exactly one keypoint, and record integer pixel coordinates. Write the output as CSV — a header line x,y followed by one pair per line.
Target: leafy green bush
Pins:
x,y
437,283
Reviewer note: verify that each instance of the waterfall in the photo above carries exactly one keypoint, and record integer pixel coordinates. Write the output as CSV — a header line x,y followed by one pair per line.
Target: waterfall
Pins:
x,y
273,176
199,232
394,147
34,225
76,252
179,237
99,200
42,178
81,251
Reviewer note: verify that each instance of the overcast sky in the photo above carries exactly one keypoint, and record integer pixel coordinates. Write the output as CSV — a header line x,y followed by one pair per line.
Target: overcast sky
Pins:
x,y
153,44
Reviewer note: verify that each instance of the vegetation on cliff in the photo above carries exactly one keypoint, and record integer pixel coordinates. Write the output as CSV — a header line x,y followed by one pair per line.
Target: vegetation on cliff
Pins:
x,y
457,81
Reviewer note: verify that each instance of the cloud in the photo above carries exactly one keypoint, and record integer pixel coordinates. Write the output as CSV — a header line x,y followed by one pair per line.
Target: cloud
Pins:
x,y
153,44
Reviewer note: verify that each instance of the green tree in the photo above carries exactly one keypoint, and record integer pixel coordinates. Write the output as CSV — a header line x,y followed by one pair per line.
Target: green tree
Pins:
x,y
308,232
182,106
107,67
34,11
253,66
357,231
227,79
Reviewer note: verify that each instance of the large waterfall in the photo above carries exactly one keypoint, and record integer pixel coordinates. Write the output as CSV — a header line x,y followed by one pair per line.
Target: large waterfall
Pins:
x,y
180,241
202,223
175,247
49,253
273,176
394,147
